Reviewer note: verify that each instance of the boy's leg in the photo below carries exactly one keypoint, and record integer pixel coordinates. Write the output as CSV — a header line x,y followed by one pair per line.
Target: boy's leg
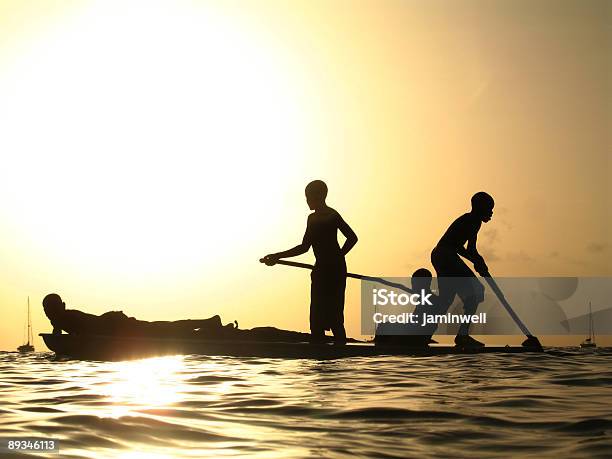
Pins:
x,y
447,289
472,296
339,334
186,327
337,327
211,323
317,326
445,266
317,332
456,278
337,296
469,308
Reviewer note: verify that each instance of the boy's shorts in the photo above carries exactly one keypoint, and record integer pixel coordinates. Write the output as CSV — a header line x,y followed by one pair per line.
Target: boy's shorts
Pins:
x,y
455,277
327,297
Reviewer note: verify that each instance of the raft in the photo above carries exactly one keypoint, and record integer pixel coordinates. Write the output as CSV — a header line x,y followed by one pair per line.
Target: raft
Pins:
x,y
97,347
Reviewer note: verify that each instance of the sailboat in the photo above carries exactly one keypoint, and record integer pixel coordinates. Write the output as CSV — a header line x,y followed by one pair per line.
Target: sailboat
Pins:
x,y
28,347
590,341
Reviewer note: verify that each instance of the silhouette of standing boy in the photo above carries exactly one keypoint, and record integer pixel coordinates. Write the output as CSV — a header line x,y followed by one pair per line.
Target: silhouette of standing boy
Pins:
x,y
329,273
454,276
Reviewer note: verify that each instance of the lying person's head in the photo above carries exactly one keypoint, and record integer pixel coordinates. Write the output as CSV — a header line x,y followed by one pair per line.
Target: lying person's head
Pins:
x,y
421,280
53,305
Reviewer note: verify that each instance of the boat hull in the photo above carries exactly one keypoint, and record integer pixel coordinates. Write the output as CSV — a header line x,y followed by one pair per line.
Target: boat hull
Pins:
x,y
25,348
123,348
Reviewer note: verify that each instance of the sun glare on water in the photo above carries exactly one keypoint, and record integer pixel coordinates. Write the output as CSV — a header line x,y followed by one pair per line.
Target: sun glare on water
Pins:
x,y
142,385
135,135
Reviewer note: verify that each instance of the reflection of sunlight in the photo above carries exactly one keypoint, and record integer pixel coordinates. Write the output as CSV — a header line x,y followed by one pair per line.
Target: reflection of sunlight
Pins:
x,y
144,384
141,455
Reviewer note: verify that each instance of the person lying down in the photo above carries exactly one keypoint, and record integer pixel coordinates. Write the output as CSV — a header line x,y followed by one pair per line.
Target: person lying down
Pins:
x,y
76,322
117,324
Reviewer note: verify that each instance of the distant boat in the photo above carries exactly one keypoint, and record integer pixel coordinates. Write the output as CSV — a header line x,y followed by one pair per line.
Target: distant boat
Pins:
x,y
590,341
29,346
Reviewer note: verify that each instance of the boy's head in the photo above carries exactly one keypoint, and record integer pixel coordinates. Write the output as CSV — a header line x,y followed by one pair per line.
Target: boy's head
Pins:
x,y
421,279
53,305
316,192
482,205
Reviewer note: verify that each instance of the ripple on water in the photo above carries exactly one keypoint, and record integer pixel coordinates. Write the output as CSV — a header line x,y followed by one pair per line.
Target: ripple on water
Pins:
x,y
555,404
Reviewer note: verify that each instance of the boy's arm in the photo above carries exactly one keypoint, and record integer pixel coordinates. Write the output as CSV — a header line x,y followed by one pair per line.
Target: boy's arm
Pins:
x,y
472,254
349,234
57,330
300,249
56,323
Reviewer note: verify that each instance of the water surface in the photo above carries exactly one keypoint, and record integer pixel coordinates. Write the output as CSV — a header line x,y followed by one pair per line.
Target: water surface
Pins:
x,y
556,404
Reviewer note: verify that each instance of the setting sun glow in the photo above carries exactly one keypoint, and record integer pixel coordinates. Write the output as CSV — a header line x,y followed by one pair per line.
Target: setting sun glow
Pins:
x,y
139,149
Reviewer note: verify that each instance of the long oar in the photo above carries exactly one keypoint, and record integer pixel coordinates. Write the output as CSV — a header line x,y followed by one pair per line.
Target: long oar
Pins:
x,y
378,280
531,340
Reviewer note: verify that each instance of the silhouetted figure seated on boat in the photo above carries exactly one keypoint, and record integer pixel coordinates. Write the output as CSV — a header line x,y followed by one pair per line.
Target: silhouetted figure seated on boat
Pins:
x,y
412,334
116,323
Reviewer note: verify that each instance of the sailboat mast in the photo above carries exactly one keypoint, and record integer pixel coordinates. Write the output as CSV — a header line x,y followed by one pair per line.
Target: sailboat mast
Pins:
x,y
591,332
30,337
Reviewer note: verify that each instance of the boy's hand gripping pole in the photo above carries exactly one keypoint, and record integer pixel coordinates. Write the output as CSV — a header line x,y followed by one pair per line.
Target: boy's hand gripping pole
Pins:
x,y
531,340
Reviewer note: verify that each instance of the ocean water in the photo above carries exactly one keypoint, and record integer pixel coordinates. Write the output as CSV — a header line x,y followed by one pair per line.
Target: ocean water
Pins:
x,y
557,404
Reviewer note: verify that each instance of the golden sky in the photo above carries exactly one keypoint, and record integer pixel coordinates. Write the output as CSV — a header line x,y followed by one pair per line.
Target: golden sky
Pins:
x,y
153,151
